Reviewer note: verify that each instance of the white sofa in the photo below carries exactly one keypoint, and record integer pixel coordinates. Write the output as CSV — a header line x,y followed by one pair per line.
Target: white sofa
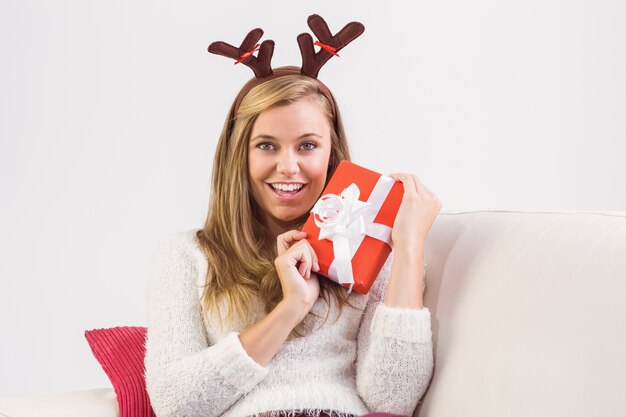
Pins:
x,y
529,319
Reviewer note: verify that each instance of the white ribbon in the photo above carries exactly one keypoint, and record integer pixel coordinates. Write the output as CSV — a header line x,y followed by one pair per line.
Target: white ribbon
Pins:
x,y
345,220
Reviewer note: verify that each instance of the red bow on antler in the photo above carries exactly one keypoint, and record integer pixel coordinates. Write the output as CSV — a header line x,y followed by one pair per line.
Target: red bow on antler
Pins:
x,y
247,54
327,47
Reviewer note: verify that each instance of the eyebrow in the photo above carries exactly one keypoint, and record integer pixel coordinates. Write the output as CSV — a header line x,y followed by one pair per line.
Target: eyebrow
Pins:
x,y
257,137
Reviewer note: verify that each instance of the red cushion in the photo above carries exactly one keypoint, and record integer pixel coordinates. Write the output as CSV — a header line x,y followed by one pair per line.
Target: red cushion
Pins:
x,y
121,352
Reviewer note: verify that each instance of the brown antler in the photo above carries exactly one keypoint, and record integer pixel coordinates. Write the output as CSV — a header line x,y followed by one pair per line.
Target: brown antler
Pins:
x,y
311,61
261,64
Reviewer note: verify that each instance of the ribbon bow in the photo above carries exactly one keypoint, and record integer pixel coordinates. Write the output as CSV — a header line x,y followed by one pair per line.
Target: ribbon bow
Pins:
x,y
340,215
345,220
248,54
329,48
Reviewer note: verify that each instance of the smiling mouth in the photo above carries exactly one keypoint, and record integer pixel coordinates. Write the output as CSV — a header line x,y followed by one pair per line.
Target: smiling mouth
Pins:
x,y
287,194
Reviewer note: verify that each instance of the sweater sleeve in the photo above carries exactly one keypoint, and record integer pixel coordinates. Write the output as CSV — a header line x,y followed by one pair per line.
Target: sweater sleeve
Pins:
x,y
395,353
184,375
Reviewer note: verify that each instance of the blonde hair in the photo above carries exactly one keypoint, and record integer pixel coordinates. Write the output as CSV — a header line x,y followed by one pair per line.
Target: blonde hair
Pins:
x,y
237,245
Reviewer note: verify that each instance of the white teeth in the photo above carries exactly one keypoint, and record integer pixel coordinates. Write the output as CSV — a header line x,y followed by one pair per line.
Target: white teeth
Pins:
x,y
286,187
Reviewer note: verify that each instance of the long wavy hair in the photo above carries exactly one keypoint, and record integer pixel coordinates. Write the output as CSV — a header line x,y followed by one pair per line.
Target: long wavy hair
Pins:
x,y
239,248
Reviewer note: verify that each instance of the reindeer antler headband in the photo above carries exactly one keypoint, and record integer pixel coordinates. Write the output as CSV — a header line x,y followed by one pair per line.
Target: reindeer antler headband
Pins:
x,y
312,61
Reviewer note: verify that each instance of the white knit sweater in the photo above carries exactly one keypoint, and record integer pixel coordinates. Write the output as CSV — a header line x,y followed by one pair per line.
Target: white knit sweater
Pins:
x,y
377,359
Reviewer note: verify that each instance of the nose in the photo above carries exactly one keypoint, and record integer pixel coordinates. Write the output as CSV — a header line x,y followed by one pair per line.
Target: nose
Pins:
x,y
288,163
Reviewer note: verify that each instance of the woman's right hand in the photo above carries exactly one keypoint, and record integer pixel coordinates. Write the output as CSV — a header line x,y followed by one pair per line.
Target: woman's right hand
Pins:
x,y
296,265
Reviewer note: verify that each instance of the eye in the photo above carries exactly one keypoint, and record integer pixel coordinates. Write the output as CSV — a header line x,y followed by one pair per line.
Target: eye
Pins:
x,y
309,146
265,146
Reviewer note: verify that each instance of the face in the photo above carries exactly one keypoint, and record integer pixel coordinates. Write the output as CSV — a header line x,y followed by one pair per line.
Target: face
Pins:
x,y
288,155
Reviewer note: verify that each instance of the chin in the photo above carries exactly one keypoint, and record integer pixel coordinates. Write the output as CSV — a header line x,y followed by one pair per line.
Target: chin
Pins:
x,y
292,216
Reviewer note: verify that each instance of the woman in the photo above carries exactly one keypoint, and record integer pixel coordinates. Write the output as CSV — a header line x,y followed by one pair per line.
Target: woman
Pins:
x,y
239,324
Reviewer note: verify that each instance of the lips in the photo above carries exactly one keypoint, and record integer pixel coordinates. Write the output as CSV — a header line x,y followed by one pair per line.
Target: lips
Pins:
x,y
286,195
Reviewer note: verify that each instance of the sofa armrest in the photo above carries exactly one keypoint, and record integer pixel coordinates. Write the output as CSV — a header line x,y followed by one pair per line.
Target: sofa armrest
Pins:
x,y
98,402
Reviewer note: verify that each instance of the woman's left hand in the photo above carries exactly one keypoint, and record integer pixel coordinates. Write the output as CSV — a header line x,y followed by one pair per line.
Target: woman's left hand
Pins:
x,y
417,212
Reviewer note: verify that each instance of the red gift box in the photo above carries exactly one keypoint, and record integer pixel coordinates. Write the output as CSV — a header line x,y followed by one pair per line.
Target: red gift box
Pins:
x,y
350,225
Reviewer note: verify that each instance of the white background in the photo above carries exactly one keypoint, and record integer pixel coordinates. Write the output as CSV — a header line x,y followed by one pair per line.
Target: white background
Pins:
x,y
110,112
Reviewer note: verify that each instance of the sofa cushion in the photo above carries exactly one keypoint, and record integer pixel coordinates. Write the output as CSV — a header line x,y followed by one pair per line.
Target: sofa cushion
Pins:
x,y
121,351
96,402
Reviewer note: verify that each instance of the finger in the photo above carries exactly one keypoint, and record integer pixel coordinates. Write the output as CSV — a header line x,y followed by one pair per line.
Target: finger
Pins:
x,y
419,187
305,264
410,189
315,260
424,190
299,253
285,240
315,266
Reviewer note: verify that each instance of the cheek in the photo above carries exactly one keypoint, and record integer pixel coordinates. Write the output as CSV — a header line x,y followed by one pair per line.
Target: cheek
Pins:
x,y
257,168
319,168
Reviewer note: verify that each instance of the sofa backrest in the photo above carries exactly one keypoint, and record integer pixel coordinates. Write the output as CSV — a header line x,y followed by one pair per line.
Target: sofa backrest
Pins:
x,y
528,313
